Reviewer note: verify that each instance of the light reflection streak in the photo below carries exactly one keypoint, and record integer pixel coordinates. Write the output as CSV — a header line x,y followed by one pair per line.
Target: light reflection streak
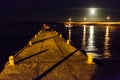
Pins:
x,y
106,43
91,46
84,38
69,35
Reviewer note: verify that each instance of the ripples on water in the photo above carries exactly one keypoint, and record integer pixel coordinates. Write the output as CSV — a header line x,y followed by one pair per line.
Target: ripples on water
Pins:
x,y
101,40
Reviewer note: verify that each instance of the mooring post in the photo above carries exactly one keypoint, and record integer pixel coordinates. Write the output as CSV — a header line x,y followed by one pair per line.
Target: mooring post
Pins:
x,y
60,35
38,33
57,33
68,41
30,43
35,36
90,59
11,61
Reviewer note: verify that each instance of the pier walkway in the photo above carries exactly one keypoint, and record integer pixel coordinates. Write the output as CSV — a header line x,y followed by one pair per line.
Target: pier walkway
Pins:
x,y
48,58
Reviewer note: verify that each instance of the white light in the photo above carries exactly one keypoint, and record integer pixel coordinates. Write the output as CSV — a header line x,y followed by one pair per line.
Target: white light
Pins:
x,y
84,18
91,30
70,19
91,46
92,11
108,18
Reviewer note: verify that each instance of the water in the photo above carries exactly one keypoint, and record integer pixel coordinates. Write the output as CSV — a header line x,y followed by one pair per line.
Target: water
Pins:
x,y
100,40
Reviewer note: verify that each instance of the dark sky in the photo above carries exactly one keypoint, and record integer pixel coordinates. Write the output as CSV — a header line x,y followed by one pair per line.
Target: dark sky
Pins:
x,y
55,10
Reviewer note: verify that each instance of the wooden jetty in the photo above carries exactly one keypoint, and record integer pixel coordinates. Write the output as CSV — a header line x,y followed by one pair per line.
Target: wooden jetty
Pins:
x,y
48,57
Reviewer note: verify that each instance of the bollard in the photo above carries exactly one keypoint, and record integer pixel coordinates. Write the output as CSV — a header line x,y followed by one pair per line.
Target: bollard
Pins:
x,y
35,36
56,32
90,59
60,35
38,33
30,43
11,61
68,41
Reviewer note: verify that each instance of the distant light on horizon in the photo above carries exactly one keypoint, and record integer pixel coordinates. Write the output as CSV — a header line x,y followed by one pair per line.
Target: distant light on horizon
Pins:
x,y
84,18
108,18
70,19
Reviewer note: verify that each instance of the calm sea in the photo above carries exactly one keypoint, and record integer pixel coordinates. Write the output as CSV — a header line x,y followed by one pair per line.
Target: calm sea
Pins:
x,y
103,41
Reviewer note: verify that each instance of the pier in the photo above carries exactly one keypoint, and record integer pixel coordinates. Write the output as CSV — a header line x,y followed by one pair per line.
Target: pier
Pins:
x,y
92,22
48,57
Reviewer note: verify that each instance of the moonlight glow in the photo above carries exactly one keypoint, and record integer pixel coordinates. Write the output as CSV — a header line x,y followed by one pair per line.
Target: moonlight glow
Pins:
x,y
92,11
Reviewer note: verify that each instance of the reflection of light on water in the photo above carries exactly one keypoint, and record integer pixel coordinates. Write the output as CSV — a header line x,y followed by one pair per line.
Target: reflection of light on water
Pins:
x,y
88,44
69,36
84,38
84,30
91,30
91,46
106,43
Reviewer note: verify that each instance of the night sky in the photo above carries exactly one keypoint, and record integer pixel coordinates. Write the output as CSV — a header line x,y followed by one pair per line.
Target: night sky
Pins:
x,y
56,10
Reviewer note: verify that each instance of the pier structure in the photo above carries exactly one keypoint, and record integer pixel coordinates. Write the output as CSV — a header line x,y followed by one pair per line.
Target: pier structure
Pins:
x,y
48,58
92,22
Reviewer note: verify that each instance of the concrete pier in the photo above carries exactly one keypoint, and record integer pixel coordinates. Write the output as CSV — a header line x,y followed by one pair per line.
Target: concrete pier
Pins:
x,y
48,58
